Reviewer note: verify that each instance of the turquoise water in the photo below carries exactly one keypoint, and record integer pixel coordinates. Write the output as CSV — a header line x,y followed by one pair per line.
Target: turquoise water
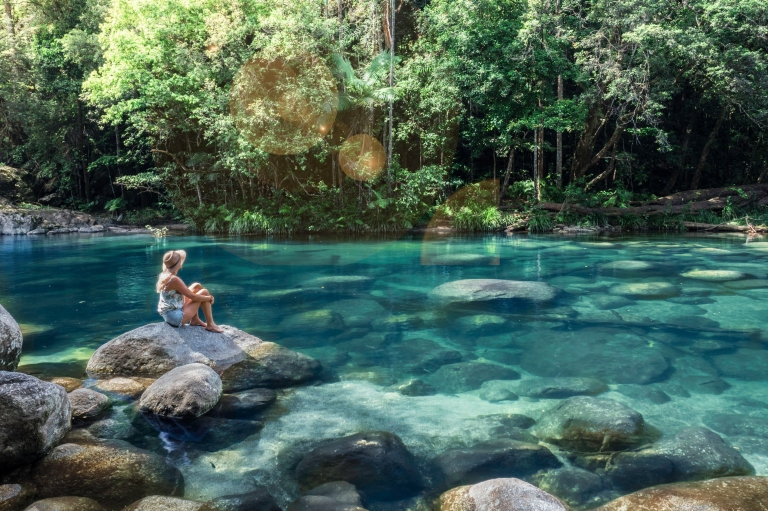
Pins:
x,y
677,333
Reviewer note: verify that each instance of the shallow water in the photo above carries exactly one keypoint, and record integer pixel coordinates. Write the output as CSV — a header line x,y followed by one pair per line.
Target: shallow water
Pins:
x,y
687,322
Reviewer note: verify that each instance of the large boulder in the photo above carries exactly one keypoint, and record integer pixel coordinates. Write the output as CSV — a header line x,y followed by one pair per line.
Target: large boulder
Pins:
x,y
333,496
244,361
34,416
10,341
378,463
590,424
692,454
466,376
723,494
482,290
113,472
87,404
65,504
747,364
16,496
500,495
494,459
184,392
162,503
257,500
612,356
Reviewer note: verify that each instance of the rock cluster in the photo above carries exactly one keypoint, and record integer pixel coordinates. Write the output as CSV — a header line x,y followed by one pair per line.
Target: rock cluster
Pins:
x,y
10,341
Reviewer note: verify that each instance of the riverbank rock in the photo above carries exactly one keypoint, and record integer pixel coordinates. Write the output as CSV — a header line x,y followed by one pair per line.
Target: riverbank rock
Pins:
x,y
16,496
34,416
590,424
113,472
161,503
494,459
500,495
68,383
334,496
466,376
257,500
723,494
559,388
244,361
87,404
125,387
184,392
377,463
65,504
10,341
692,454
41,221
481,290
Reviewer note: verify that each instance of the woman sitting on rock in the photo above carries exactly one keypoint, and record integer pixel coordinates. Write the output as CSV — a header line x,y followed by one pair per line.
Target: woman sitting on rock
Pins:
x,y
180,304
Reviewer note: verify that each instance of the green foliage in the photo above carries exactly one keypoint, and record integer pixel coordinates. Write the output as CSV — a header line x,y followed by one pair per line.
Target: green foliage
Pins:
x,y
540,222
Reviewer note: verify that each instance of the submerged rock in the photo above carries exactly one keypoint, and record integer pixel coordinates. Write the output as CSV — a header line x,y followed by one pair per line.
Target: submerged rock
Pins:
x,y
714,275
493,459
628,266
574,485
160,503
243,360
257,500
113,472
334,496
65,504
500,495
87,404
646,290
184,392
10,341
693,454
480,324
745,364
591,424
466,376
245,403
480,290
127,387
414,388
69,384
732,424
321,320
723,494
559,388
644,393
357,313
16,496
377,462
34,416
494,391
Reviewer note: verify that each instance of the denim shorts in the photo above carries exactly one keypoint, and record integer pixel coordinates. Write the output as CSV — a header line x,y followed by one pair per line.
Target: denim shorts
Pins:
x,y
173,317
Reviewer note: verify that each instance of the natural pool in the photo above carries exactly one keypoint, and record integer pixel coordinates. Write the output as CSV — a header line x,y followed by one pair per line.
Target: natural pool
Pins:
x,y
673,325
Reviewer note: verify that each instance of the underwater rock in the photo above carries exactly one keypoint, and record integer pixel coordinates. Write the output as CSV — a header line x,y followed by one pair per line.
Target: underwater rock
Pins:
x,y
340,283
357,313
161,503
10,341
608,302
414,388
270,365
494,459
184,392
65,504
112,428
420,356
480,290
722,494
34,416
646,290
612,356
704,384
87,404
127,387
510,357
627,266
494,391
714,275
734,424
480,324
247,402
322,320
333,496
500,495
69,384
377,463
513,420
693,454
16,496
644,393
466,376
574,485
113,472
747,284
590,424
560,388
746,364
257,500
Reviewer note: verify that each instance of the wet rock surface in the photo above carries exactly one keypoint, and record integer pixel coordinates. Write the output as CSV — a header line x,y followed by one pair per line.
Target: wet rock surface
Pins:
x,y
481,290
184,392
415,388
465,376
494,459
126,387
377,463
500,495
69,384
270,365
257,500
574,485
34,416
10,341
243,404
16,496
590,424
560,388
65,504
161,503
87,404
333,496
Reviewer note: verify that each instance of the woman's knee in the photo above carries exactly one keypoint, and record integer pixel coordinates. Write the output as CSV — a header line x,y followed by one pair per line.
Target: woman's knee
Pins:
x,y
195,287
203,292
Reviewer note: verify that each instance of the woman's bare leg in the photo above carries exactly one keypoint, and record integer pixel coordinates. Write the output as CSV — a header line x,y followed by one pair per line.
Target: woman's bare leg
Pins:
x,y
207,310
196,287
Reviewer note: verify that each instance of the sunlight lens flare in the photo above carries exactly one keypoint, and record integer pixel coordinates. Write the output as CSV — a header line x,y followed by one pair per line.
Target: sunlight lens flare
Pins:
x,y
284,106
362,157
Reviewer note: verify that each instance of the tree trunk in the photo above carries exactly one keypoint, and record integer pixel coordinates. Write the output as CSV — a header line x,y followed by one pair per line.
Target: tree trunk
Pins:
x,y
592,127
683,152
536,189
607,172
510,165
559,163
705,151
608,145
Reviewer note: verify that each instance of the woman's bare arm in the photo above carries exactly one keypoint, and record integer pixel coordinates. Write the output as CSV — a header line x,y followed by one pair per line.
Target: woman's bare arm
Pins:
x,y
177,284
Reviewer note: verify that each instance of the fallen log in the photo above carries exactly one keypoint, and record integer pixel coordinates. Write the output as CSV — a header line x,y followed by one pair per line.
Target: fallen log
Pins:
x,y
698,226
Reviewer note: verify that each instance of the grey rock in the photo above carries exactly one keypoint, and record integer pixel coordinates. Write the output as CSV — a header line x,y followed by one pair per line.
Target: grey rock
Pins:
x,y
644,393
333,496
69,384
113,472
466,376
357,313
646,290
513,420
377,463
34,416
162,503
494,459
22,221
591,424
494,391
112,428
270,365
184,392
10,341
732,424
627,266
693,454
87,404
608,302
508,494
704,384
322,320
747,364
560,388
510,357
65,504
245,403
16,496
415,388
480,290
257,500
574,485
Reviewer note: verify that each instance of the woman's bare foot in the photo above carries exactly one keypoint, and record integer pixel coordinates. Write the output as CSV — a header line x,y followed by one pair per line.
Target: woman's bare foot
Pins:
x,y
213,327
197,322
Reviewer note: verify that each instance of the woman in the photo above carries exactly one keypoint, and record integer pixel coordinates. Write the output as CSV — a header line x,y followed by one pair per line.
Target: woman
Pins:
x,y
180,304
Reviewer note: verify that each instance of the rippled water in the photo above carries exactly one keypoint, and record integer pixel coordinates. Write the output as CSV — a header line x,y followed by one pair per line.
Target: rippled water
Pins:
x,y
679,343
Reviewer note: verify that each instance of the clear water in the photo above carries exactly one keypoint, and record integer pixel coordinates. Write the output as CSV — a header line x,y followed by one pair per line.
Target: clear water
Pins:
x,y
73,293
